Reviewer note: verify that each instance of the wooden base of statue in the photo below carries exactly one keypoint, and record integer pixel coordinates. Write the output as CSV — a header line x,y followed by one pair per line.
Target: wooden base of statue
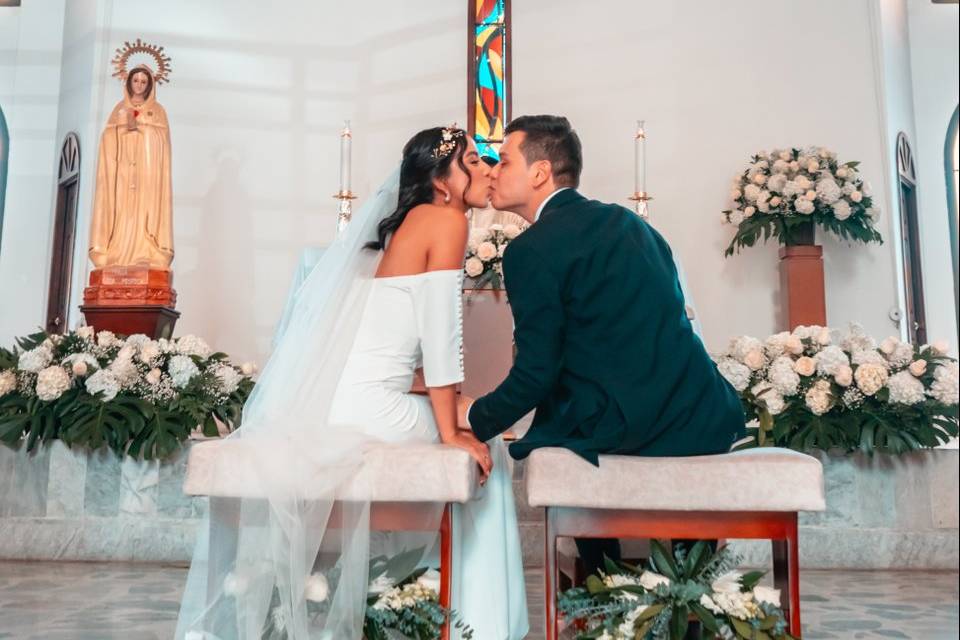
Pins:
x,y
130,300
803,301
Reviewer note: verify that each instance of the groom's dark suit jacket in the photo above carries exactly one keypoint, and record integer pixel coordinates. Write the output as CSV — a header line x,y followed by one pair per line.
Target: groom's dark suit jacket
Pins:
x,y
605,352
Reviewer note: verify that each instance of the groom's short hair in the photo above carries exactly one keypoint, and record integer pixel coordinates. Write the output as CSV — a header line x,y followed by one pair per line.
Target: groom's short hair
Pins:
x,y
551,138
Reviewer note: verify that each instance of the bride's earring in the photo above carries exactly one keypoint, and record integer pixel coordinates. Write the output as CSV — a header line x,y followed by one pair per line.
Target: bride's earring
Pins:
x,y
446,198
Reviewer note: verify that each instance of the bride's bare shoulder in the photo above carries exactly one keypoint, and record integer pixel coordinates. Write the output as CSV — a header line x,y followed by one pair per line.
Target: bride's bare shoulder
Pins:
x,y
442,221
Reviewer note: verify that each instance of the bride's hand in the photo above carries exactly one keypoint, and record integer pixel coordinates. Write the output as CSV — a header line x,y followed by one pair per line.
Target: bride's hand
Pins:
x,y
477,450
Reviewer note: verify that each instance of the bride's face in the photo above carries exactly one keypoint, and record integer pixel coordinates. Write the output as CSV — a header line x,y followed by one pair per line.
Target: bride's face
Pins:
x,y
474,184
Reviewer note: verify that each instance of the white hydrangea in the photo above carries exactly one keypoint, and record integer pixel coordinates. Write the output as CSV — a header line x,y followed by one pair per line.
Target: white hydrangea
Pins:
x,y
856,339
776,345
751,192
818,398
792,188
946,384
124,371
106,339
8,382
736,373
902,355
804,206
103,382
830,360
741,346
182,369
767,395
191,345
52,382
35,359
842,210
871,356
777,183
871,377
780,166
228,377
137,340
782,376
828,191
905,388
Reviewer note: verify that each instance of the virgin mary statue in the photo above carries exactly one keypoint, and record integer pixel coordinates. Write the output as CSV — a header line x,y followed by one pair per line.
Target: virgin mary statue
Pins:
x,y
132,221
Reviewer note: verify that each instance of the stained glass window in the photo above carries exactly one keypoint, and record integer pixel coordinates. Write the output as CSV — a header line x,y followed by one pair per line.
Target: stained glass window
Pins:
x,y
489,81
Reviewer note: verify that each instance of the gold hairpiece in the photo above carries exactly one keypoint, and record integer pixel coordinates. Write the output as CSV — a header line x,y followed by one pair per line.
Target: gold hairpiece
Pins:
x,y
448,141
160,75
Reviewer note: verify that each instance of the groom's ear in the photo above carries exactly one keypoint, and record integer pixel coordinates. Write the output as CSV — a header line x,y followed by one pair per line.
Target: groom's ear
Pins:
x,y
540,172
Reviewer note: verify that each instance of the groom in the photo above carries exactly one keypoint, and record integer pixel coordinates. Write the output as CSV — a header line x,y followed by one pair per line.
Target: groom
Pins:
x,y
605,352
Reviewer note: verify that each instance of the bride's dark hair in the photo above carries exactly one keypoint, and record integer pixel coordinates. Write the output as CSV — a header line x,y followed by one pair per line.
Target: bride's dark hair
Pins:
x,y
423,160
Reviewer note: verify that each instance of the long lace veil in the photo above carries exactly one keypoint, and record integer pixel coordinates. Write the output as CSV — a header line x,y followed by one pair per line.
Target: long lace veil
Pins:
x,y
259,552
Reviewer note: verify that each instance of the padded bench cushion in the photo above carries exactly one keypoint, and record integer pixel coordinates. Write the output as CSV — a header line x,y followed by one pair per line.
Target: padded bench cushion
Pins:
x,y
390,473
763,479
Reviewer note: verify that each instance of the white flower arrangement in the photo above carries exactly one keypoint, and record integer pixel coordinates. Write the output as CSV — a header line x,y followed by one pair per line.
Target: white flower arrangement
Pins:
x,y
168,385
626,602
824,389
485,249
782,193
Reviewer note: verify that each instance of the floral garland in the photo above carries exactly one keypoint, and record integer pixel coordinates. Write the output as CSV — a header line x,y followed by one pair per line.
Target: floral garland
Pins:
x,y
485,249
630,603
817,388
781,192
138,396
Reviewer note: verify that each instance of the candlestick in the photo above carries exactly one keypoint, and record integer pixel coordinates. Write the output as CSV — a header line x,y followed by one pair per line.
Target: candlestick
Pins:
x,y
640,195
345,207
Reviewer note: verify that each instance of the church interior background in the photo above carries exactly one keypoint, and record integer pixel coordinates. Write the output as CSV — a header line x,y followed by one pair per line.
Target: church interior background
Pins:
x,y
281,117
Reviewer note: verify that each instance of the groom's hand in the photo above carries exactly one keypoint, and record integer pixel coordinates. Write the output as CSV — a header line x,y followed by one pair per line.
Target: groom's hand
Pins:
x,y
463,408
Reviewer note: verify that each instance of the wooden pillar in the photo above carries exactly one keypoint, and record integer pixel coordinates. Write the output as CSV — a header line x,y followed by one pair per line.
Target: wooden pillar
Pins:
x,y
803,301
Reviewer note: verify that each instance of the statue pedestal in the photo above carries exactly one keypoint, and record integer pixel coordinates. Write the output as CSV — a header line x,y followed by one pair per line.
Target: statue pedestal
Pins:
x,y
801,286
130,300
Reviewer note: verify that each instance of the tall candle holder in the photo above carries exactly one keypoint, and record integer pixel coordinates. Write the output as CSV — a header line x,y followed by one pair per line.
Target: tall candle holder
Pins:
x,y
344,195
640,195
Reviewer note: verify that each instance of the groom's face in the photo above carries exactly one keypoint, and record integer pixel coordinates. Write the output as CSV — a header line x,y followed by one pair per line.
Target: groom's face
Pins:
x,y
511,183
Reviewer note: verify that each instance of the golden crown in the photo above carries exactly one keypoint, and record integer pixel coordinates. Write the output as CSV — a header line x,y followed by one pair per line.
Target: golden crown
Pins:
x,y
162,72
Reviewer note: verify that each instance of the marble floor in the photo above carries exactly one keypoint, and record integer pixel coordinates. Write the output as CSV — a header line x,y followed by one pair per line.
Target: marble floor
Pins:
x,y
99,601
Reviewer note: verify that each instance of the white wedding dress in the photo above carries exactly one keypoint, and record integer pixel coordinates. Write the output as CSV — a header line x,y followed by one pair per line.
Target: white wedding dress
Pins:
x,y
409,321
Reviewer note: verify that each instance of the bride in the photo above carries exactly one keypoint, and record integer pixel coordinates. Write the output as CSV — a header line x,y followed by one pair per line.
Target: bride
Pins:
x,y
384,299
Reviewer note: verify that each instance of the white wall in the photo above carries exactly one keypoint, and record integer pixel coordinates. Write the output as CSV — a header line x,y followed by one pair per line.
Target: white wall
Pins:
x,y
30,41
935,69
715,82
256,101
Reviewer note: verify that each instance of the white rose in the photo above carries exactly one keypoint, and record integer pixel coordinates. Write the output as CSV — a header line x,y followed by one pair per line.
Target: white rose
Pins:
x,y
751,192
650,580
818,397
316,588
889,345
823,337
735,194
430,580
793,344
487,251
125,353
844,376
805,366
794,166
767,595
736,217
8,382
755,360
940,347
856,196
473,267
248,368
153,377
810,194
79,368
749,211
759,179
511,231
786,154
775,201
813,166
918,367
842,172
804,206
86,332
